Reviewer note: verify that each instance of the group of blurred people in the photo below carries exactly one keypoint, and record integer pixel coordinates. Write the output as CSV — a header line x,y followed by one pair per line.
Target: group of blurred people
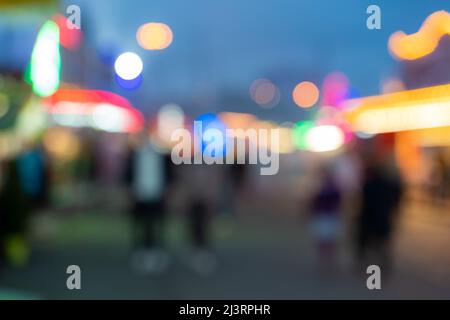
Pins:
x,y
375,205
375,197
28,181
150,178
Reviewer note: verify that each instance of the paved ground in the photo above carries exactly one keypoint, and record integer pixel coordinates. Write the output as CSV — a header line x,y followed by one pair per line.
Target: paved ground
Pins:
x,y
264,258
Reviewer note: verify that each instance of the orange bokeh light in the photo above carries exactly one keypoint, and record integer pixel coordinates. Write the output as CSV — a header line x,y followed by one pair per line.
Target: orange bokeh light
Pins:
x,y
424,41
305,94
154,36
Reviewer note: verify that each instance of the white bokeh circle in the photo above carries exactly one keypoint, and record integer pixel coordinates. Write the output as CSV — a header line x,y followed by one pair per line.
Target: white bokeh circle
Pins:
x,y
128,66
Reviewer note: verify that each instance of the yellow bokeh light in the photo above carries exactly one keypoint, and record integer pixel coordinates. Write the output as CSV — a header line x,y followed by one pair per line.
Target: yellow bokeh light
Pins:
x,y
61,143
424,41
410,110
154,36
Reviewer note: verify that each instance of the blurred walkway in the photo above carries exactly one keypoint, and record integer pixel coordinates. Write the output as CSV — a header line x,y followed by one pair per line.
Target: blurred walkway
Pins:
x,y
264,258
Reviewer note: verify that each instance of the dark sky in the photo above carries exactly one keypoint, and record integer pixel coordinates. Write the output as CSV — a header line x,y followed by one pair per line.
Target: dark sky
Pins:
x,y
223,45
227,44
236,41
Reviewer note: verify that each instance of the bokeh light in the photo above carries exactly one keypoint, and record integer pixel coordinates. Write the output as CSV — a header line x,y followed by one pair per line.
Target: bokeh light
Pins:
x,y
325,138
285,143
45,68
305,94
416,109
98,109
423,42
109,118
129,84
264,93
299,132
211,121
62,144
333,116
170,118
392,85
128,66
335,89
237,120
70,39
154,36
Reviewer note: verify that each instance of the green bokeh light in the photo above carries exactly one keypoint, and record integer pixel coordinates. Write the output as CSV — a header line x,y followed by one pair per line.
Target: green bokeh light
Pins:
x,y
299,133
45,69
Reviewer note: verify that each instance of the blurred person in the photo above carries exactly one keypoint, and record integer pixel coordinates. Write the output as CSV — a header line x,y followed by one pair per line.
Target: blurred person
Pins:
x,y
148,175
34,175
237,173
86,166
202,184
3,216
14,215
440,176
380,197
108,155
348,177
325,212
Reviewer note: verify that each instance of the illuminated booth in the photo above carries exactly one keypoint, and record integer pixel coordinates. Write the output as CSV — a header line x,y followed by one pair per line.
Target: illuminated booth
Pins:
x,y
420,119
